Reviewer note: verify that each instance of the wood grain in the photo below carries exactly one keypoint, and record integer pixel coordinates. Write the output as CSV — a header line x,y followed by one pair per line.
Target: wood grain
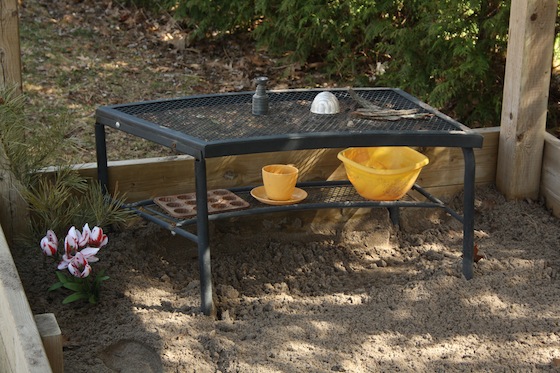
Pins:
x,y
10,60
550,181
525,97
148,178
21,349
52,340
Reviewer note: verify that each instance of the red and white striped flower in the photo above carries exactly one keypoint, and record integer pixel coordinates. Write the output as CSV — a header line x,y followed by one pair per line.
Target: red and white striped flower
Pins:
x,y
49,244
79,266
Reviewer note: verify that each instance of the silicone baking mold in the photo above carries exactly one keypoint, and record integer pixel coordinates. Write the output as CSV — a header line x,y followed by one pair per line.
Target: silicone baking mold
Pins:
x,y
184,205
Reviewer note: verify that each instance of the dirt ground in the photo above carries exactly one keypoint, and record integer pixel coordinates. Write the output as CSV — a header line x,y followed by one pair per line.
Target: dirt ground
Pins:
x,y
299,293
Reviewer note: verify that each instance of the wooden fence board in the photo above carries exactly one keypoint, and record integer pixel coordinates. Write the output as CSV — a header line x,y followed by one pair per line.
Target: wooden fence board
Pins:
x,y
147,178
21,349
550,177
10,55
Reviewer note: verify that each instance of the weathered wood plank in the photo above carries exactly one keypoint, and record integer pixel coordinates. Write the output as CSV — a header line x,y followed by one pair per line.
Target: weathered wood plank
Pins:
x,y
13,207
52,340
21,349
446,167
10,56
146,178
526,87
11,203
550,181
142,179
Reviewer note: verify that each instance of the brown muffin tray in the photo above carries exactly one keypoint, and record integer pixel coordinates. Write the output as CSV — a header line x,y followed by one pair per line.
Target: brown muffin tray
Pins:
x,y
184,205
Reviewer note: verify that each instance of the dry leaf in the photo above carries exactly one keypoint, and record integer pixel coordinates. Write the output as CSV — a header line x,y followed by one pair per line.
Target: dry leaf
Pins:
x,y
476,255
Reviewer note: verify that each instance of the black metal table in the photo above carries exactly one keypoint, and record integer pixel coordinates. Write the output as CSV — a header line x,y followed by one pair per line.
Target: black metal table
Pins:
x,y
206,126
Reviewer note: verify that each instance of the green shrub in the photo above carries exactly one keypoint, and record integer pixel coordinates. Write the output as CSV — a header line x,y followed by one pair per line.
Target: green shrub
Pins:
x,y
27,146
59,199
451,54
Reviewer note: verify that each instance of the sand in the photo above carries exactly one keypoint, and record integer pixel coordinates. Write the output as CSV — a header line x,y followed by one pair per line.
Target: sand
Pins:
x,y
321,292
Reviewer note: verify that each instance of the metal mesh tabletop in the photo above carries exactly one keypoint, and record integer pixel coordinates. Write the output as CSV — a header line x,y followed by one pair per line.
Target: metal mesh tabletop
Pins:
x,y
226,120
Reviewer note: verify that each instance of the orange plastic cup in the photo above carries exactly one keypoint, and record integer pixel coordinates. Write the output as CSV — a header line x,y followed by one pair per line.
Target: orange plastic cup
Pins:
x,y
279,181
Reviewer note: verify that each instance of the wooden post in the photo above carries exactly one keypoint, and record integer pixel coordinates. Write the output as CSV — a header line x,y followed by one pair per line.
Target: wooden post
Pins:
x,y
14,212
52,340
10,59
12,206
526,89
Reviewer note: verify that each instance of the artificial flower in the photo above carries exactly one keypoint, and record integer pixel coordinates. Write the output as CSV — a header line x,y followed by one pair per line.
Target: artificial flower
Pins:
x,y
79,266
83,237
49,244
70,248
89,254
79,251
97,238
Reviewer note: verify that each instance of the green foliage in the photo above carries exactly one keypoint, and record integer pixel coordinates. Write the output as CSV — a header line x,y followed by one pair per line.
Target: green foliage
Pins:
x,y
59,199
27,146
65,199
216,16
82,288
51,202
458,62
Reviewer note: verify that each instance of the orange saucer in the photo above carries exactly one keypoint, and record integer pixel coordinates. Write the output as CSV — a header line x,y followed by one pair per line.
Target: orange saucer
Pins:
x,y
260,194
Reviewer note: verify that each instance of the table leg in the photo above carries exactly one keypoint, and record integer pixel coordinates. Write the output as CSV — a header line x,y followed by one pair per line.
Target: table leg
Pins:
x,y
101,151
468,213
204,261
394,215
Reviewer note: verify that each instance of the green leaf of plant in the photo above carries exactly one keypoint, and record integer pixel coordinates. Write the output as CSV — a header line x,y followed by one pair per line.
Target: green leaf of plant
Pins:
x,y
62,277
74,297
73,286
58,285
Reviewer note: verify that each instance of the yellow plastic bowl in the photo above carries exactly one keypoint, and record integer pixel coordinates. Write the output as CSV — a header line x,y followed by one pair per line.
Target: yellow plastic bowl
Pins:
x,y
382,173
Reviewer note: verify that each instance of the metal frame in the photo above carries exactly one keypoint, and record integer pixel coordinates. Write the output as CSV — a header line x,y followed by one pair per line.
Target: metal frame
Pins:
x,y
452,134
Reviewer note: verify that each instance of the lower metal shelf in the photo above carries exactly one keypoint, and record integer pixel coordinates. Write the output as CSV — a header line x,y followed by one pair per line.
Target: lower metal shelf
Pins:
x,y
320,195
